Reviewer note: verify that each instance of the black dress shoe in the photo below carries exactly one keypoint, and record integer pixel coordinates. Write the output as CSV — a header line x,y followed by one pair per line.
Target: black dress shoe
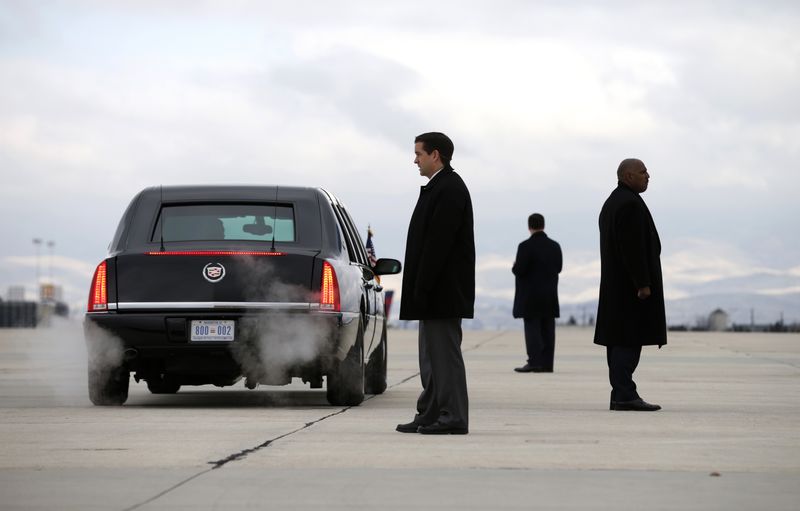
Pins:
x,y
411,427
527,368
635,405
437,428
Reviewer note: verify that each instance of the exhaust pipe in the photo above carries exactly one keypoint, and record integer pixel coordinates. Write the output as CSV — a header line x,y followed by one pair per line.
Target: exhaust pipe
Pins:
x,y
131,353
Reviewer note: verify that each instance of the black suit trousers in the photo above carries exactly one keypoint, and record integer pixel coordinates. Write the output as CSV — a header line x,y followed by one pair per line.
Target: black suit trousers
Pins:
x,y
622,362
540,341
444,378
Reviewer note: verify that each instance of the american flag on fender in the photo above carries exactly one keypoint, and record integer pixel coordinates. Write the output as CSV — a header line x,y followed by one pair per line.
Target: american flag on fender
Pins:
x,y
371,248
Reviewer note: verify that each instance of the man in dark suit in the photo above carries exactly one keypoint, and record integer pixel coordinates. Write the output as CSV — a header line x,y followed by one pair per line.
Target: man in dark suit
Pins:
x,y
630,313
536,270
439,287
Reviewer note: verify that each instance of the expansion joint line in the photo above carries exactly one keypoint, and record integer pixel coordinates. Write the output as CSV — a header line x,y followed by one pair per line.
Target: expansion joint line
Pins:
x,y
754,356
245,452
485,341
471,348
168,490
234,457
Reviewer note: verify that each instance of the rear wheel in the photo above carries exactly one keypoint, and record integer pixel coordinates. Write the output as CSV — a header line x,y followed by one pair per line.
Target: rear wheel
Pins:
x,y
163,384
108,387
346,382
376,367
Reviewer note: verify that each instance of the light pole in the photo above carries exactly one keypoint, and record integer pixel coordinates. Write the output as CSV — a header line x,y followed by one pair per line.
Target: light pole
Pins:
x,y
37,242
50,245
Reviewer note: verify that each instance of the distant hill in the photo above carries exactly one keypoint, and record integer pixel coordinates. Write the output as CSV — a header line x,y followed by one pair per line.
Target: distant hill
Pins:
x,y
767,293
495,313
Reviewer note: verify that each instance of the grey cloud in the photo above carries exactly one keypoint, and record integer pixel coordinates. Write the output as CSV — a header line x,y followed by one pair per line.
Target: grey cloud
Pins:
x,y
737,73
362,88
148,116
19,22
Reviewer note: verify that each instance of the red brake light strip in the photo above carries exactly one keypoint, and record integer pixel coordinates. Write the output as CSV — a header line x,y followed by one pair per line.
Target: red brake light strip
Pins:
x,y
216,253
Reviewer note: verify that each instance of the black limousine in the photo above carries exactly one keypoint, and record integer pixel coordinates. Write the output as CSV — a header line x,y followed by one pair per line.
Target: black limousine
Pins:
x,y
212,284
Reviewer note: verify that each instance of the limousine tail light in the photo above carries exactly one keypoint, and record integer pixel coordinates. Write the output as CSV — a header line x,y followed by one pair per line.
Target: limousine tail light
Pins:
x,y
329,296
98,294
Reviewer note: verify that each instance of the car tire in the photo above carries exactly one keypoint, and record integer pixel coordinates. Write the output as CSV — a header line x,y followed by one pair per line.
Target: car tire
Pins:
x,y
376,367
346,382
163,385
108,387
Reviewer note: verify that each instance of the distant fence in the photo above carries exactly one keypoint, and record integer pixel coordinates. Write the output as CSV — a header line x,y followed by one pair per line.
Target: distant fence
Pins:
x,y
18,314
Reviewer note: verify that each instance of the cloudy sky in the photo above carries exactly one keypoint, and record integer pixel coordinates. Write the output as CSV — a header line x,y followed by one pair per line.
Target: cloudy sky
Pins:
x,y
542,99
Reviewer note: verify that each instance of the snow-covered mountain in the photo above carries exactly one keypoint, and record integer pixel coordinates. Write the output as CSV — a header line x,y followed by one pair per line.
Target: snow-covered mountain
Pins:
x,y
495,313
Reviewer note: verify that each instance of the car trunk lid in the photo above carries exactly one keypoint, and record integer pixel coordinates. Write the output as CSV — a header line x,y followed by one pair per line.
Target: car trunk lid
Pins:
x,y
216,276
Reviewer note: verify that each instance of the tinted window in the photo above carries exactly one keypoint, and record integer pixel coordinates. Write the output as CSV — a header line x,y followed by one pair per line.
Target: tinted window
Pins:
x,y
351,252
218,222
361,251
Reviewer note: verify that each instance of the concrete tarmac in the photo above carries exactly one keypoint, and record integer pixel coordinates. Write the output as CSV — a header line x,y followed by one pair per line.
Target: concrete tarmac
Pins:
x,y
728,437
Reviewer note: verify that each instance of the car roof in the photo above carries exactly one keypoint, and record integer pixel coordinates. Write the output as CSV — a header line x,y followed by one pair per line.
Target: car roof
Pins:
x,y
189,192
135,228
237,192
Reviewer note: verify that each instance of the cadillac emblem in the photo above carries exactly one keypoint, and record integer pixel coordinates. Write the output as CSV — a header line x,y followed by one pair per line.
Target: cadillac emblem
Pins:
x,y
213,272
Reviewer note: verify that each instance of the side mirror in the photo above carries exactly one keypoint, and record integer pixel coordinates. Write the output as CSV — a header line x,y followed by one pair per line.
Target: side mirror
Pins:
x,y
387,267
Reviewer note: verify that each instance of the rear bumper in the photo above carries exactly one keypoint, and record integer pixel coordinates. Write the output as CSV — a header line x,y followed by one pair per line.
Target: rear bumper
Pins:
x,y
270,344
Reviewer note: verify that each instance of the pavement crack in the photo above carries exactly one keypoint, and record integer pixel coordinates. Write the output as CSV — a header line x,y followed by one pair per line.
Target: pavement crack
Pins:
x,y
168,490
755,356
245,452
471,348
235,457
403,381
483,342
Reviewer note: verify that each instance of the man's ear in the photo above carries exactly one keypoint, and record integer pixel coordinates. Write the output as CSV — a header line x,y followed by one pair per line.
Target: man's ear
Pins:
x,y
436,155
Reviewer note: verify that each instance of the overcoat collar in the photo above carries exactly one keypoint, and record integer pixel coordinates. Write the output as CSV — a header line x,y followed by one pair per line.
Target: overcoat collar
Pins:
x,y
638,195
439,176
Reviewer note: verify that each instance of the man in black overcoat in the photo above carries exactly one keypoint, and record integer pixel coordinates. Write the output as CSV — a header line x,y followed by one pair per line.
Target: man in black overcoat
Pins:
x,y
630,313
536,270
439,287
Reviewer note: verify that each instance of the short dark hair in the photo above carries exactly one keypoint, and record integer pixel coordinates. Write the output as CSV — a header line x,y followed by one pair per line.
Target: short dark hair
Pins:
x,y
536,221
435,141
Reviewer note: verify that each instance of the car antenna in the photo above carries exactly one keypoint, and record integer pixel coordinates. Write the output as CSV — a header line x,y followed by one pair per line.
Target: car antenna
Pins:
x,y
274,218
161,222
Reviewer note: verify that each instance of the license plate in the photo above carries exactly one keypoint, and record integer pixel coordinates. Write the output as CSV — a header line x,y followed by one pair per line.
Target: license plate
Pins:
x,y
212,330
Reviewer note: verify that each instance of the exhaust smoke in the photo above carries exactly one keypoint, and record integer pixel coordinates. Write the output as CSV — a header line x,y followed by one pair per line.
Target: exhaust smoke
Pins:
x,y
105,352
51,362
274,345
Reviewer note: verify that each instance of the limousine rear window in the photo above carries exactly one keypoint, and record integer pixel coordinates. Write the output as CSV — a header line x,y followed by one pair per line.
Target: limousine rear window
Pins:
x,y
222,222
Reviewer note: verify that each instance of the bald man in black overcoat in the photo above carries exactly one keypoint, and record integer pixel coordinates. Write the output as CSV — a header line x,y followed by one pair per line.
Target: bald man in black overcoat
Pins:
x,y
630,312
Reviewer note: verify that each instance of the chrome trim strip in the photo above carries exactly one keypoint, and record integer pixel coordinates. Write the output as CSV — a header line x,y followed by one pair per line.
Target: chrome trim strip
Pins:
x,y
215,305
112,306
